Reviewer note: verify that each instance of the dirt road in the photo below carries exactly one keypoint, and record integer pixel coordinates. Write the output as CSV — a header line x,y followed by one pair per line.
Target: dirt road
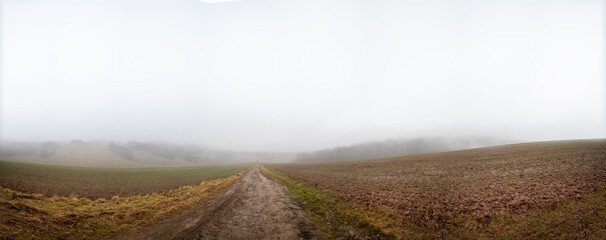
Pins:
x,y
254,208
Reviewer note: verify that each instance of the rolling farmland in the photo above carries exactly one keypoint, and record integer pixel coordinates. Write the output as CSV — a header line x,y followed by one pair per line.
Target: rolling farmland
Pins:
x,y
336,120
492,192
96,183
536,190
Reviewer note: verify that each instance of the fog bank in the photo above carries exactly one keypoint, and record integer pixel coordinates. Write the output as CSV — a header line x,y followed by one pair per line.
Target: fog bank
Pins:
x,y
269,75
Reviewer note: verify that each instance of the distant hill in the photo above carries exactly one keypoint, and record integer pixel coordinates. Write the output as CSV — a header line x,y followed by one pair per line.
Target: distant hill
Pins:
x,y
129,154
397,147
153,154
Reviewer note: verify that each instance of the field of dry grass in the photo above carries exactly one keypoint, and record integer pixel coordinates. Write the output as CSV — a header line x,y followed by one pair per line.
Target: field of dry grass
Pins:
x,y
96,183
490,192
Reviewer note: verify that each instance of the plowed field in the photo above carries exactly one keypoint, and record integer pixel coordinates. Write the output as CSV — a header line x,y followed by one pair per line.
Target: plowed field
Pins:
x,y
434,190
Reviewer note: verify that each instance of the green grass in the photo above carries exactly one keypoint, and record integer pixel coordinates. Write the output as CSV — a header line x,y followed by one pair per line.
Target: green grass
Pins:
x,y
334,220
95,183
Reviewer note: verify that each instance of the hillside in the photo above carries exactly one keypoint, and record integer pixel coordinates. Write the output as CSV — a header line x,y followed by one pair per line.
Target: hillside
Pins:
x,y
129,154
541,190
396,147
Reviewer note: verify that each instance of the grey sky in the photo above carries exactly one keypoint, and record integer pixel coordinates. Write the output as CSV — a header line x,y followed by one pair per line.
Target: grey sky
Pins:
x,y
301,75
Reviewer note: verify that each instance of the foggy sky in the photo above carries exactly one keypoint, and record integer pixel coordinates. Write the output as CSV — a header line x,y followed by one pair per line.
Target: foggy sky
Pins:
x,y
286,75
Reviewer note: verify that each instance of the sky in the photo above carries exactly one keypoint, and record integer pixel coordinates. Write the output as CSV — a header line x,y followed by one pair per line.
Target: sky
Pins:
x,y
284,75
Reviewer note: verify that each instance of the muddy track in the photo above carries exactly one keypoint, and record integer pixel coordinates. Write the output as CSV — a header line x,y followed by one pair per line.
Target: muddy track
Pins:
x,y
253,208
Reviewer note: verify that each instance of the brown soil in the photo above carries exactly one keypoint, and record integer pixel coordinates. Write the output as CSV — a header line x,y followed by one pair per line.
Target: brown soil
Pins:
x,y
479,183
254,208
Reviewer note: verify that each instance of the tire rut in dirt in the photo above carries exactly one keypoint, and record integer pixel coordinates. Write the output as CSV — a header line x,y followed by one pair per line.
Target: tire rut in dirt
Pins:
x,y
253,208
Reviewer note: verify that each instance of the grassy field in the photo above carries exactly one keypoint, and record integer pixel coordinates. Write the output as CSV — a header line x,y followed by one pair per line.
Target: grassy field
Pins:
x,y
96,183
532,190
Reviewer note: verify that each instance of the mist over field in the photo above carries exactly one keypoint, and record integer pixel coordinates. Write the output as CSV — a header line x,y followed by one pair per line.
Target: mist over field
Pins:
x,y
302,119
299,76
128,154
396,147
